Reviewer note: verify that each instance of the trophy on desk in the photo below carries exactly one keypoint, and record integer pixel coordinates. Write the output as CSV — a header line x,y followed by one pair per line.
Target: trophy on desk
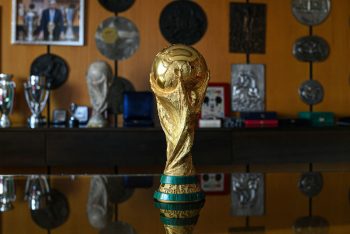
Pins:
x,y
36,95
179,79
7,94
70,13
7,193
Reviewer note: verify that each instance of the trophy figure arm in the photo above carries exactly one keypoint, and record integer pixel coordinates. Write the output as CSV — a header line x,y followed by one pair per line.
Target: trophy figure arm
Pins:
x,y
177,123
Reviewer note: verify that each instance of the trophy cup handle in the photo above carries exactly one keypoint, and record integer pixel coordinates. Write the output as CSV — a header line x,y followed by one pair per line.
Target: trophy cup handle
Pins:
x,y
13,91
43,103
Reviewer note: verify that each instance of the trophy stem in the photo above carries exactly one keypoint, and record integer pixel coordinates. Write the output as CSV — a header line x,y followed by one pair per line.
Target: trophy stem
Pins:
x,y
5,121
35,121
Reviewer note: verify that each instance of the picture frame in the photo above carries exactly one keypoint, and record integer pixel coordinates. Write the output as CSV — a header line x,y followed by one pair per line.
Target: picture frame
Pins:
x,y
216,104
48,22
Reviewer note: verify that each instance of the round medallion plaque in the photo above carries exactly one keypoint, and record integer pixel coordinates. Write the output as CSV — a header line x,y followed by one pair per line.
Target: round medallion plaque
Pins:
x,y
310,183
53,67
311,12
183,21
311,92
117,38
311,49
55,214
115,96
116,6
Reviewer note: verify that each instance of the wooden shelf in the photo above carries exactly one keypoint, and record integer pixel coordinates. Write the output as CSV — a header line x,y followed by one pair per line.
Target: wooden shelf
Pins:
x,y
22,147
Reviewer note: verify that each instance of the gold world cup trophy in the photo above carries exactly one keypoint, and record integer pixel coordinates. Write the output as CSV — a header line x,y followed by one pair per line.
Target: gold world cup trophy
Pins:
x,y
179,79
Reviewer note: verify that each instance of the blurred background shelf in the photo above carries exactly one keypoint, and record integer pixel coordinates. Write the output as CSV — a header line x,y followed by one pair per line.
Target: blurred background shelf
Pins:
x,y
121,147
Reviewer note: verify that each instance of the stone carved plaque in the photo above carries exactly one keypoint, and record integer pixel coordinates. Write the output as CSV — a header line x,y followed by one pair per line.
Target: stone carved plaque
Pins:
x,y
247,194
247,28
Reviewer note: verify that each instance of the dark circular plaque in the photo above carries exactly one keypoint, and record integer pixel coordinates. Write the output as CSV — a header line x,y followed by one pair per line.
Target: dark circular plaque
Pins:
x,y
311,92
53,67
115,96
55,214
116,5
183,21
117,193
117,38
311,224
310,183
311,49
311,12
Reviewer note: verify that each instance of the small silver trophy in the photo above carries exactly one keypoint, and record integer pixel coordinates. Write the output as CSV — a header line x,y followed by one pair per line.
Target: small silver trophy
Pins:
x,y
37,192
29,21
51,27
7,94
36,95
7,193
70,13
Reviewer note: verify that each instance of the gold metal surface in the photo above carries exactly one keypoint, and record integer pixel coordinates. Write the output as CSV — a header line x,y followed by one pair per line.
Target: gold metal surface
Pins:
x,y
179,79
178,230
180,213
179,189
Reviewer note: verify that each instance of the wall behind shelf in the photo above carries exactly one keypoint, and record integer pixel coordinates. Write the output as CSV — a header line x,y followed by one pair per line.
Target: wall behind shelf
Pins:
x,y
284,73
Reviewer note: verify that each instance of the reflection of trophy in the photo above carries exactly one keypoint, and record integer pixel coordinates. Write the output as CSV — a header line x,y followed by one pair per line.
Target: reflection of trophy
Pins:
x,y
99,78
29,19
70,13
179,79
37,192
7,193
36,96
7,93
50,29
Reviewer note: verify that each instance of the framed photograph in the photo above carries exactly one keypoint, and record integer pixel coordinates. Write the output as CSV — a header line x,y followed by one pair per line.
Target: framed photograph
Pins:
x,y
248,87
216,103
48,22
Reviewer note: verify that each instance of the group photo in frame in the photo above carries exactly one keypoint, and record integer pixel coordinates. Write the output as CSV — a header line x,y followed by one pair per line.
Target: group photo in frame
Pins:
x,y
216,104
48,22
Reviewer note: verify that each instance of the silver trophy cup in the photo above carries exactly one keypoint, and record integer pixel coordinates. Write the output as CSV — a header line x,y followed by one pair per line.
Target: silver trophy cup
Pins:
x,y
70,13
7,93
37,192
7,193
29,19
36,95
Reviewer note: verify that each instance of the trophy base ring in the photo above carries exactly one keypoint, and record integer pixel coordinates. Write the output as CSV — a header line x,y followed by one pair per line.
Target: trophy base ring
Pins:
x,y
35,121
5,121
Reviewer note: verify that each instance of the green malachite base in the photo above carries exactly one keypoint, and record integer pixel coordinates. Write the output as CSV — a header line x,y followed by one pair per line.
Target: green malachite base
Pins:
x,y
178,180
179,206
170,202
171,197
